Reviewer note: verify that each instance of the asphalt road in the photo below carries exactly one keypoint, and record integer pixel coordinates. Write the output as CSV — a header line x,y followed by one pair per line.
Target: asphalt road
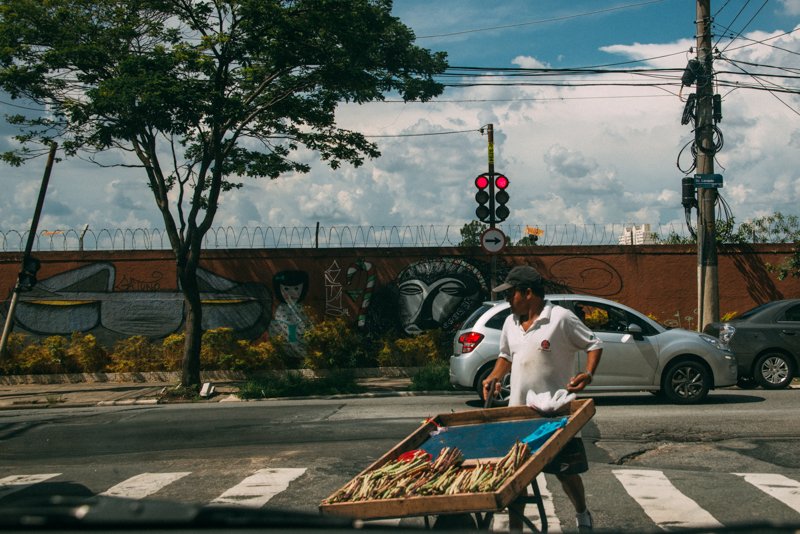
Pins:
x,y
707,454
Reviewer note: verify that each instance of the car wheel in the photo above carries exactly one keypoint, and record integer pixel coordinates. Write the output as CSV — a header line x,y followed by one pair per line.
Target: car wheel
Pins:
x,y
747,382
774,370
686,382
505,387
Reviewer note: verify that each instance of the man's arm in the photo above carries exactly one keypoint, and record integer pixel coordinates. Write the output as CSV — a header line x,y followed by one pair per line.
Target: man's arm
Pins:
x,y
581,380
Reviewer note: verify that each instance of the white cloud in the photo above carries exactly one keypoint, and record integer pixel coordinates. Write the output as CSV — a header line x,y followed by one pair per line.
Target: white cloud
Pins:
x,y
528,62
592,155
792,7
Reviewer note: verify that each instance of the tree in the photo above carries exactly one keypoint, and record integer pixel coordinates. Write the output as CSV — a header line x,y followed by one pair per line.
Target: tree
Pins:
x,y
471,234
204,93
530,240
776,228
724,233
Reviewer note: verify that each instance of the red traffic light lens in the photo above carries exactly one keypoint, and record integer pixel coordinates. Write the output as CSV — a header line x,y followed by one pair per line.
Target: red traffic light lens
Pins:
x,y
500,181
482,182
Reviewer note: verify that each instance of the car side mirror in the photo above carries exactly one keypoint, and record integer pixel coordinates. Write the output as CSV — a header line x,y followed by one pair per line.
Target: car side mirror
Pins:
x,y
636,331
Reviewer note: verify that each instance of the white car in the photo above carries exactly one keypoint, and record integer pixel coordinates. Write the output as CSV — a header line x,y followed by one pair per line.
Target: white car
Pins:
x,y
639,354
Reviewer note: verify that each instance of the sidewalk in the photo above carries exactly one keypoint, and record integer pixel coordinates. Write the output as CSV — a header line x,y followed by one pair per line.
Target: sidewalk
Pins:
x,y
82,394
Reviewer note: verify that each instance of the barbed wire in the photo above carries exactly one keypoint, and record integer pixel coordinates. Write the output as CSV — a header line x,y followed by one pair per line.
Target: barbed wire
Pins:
x,y
303,237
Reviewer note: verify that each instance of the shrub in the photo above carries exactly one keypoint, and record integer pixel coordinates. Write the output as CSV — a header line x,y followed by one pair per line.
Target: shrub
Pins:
x,y
414,351
49,356
136,354
89,355
332,344
434,376
340,381
274,354
172,351
219,349
15,344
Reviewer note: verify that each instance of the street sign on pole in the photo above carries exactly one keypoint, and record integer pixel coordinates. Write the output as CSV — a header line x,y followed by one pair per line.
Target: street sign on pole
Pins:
x,y
493,240
708,181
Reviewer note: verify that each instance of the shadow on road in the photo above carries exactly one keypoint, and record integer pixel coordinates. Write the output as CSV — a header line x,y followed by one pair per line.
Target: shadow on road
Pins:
x,y
649,399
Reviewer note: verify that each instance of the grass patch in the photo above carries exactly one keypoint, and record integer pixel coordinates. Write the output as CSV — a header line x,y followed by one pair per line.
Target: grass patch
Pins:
x,y
432,377
294,385
180,393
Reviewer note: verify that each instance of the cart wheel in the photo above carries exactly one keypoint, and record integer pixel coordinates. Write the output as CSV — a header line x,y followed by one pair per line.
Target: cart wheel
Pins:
x,y
455,523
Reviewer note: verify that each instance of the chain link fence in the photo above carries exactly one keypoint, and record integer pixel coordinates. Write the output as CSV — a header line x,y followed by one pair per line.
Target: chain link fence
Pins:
x,y
269,237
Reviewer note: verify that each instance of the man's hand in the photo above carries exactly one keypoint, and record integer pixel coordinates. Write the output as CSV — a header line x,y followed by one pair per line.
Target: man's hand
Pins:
x,y
579,382
488,383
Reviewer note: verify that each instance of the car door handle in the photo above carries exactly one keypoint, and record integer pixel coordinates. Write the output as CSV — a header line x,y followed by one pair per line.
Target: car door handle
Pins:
x,y
788,332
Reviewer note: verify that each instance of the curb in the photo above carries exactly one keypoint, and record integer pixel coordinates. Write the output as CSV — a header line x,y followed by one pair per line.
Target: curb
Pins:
x,y
228,398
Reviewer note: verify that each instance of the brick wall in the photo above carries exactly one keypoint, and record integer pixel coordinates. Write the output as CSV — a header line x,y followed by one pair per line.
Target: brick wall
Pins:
x,y
263,292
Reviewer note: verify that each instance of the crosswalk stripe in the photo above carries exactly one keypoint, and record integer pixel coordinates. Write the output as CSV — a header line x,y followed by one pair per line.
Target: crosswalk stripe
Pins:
x,y
144,484
14,483
500,523
776,486
257,489
662,501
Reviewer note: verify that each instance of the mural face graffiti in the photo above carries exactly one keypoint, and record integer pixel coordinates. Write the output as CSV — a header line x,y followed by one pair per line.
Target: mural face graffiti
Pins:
x,y
88,300
438,293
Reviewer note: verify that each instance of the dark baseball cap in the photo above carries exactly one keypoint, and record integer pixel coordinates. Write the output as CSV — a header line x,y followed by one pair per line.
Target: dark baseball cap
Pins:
x,y
520,276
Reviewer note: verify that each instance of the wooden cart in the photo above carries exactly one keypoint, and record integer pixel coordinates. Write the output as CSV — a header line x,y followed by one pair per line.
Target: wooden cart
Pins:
x,y
482,505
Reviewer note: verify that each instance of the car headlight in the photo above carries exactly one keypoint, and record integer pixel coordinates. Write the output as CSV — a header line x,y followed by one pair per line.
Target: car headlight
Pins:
x,y
711,340
726,333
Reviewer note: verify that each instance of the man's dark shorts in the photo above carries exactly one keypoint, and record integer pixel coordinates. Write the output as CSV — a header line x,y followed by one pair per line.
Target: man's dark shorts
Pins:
x,y
571,460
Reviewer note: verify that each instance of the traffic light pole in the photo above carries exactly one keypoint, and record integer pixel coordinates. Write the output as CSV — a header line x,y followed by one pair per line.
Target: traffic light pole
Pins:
x,y
490,134
707,262
26,256
493,263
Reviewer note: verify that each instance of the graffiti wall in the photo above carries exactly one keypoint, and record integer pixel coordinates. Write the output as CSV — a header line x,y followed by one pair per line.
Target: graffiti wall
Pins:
x,y
262,293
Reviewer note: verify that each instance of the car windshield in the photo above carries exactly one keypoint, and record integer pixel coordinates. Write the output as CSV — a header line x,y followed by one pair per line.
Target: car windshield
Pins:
x,y
757,309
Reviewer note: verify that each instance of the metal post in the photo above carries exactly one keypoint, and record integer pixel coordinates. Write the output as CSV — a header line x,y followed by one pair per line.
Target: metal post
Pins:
x,y
28,246
493,262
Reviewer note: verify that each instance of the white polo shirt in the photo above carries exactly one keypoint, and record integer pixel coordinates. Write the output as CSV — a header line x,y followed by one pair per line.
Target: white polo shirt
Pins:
x,y
543,357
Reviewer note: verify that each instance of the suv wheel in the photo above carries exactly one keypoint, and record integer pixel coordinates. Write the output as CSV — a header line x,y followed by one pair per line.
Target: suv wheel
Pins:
x,y
774,370
686,382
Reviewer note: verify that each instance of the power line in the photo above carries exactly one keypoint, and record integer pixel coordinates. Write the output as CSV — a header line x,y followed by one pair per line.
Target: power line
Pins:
x,y
424,134
771,91
542,21
521,99
747,24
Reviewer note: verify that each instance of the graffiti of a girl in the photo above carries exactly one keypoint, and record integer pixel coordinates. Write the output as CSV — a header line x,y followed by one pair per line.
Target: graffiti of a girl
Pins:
x,y
289,319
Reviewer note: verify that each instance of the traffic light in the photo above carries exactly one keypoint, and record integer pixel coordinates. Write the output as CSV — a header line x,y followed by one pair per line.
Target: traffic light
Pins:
x,y
501,211
27,276
482,197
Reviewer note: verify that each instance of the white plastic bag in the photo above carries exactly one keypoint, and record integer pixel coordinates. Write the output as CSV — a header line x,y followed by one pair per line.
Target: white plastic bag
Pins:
x,y
545,403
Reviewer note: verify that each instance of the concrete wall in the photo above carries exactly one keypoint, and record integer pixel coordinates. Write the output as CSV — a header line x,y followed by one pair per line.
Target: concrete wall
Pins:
x,y
263,292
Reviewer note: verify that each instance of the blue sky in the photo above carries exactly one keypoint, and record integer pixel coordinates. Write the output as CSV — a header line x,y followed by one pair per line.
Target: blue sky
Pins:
x,y
602,154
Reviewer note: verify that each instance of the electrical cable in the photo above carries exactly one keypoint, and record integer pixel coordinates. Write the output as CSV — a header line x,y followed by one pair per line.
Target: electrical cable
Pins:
x,y
771,91
693,152
542,21
747,24
424,134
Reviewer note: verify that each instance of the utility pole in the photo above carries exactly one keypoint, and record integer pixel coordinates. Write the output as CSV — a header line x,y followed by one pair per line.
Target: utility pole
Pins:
x,y
707,265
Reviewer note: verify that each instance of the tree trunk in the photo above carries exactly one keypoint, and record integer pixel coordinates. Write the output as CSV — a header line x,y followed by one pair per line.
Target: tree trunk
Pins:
x,y
187,274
